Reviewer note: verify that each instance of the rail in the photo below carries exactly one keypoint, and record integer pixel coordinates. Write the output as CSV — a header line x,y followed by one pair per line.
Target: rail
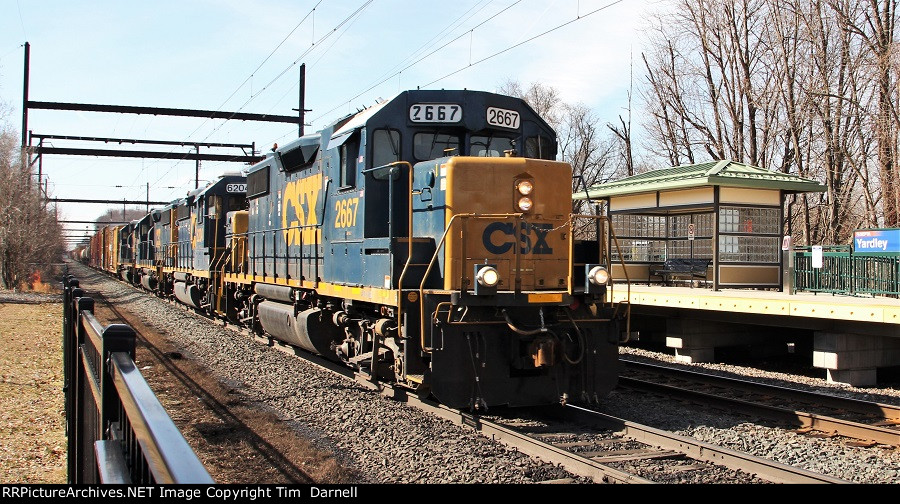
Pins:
x,y
843,272
117,430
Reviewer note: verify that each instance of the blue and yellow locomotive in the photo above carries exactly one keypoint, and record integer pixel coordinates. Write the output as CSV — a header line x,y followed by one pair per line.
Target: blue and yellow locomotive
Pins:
x,y
425,241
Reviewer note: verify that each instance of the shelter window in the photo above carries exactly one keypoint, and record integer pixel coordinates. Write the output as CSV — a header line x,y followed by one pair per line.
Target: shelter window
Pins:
x,y
680,243
639,225
653,238
642,238
427,146
385,147
750,249
489,146
749,234
749,220
698,248
638,250
679,225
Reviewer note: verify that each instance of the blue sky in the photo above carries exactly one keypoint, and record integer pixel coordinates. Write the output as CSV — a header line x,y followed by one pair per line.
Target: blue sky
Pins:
x,y
221,55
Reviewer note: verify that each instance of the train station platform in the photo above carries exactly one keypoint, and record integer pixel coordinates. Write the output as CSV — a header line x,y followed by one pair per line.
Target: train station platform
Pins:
x,y
852,336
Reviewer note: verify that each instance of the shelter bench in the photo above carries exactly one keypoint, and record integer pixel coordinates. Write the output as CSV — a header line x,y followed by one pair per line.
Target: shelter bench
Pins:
x,y
682,268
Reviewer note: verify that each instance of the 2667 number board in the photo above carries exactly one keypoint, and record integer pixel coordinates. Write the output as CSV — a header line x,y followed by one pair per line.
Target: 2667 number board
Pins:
x,y
435,113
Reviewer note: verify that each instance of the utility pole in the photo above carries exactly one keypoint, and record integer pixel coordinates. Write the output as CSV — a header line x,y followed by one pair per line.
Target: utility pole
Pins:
x,y
25,95
148,197
40,160
197,168
302,110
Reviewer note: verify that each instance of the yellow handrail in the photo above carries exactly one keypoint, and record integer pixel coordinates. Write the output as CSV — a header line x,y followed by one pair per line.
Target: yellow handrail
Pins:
x,y
434,258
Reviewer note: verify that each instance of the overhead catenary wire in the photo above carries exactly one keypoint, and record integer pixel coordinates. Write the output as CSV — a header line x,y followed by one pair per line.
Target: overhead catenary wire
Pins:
x,y
407,67
578,17
281,74
424,47
249,77
21,20
557,27
346,20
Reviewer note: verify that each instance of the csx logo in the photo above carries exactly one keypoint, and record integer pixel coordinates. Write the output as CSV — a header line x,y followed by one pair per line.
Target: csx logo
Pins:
x,y
299,210
499,237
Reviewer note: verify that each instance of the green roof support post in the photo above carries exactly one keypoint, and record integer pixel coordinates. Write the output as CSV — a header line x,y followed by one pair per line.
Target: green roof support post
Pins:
x,y
715,243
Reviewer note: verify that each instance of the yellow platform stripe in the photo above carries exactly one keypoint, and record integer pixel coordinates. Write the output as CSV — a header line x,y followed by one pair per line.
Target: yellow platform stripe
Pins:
x,y
758,302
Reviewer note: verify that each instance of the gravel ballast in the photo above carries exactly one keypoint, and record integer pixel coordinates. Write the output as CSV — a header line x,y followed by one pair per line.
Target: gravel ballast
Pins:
x,y
832,456
383,440
390,442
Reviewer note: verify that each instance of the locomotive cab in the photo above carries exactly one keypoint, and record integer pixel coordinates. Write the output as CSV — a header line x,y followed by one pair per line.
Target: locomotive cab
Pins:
x,y
200,251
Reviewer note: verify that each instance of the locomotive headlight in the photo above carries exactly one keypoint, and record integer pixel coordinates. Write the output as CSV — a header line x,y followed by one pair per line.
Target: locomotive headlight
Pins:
x,y
598,275
525,203
524,187
487,277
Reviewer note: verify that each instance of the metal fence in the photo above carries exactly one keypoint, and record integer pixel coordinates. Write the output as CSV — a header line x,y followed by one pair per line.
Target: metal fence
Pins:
x,y
843,272
117,430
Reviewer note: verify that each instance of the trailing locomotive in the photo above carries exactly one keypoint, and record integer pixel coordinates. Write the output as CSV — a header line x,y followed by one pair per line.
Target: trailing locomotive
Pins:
x,y
426,241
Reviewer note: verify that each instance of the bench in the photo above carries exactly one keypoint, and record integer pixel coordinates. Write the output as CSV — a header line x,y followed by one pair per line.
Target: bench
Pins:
x,y
682,268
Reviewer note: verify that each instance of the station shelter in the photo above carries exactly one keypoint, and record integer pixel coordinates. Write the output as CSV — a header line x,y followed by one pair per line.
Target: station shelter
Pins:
x,y
726,212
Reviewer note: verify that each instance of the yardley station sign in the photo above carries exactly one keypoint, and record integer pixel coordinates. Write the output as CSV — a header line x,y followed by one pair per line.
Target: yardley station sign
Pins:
x,y
877,241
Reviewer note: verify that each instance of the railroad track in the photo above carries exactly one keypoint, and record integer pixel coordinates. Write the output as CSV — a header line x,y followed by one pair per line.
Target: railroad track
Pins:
x,y
591,445
607,449
869,423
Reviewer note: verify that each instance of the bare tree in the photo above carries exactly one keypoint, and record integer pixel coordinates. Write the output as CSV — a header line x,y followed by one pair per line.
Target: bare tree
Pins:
x,y
800,86
30,237
623,133
873,23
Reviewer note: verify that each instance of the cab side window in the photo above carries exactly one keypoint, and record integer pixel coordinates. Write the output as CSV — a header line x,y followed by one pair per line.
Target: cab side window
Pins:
x,y
349,156
385,147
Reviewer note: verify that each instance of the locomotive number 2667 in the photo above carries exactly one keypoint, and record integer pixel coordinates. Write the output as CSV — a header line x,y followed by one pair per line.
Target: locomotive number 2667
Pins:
x,y
345,212
435,113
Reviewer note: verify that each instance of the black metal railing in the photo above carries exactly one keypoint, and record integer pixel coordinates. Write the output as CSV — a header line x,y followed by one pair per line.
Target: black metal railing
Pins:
x,y
117,430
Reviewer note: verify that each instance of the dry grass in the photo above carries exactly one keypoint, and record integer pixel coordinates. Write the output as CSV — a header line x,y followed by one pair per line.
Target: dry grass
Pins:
x,y
32,418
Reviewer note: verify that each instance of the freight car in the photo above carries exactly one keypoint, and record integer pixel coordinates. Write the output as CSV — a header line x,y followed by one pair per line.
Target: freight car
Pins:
x,y
426,241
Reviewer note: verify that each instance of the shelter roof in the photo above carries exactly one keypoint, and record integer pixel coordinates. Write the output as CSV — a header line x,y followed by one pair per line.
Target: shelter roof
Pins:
x,y
713,173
